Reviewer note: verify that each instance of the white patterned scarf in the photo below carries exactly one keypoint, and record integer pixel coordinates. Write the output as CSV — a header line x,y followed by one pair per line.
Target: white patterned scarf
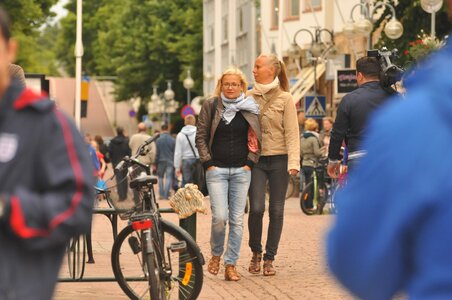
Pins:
x,y
265,88
232,106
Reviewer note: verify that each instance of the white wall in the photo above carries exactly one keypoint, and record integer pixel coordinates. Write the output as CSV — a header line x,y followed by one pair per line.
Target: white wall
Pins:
x,y
237,48
328,17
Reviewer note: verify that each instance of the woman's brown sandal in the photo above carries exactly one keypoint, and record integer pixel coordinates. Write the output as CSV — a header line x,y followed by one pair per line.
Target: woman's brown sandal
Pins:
x,y
214,265
269,270
231,274
255,264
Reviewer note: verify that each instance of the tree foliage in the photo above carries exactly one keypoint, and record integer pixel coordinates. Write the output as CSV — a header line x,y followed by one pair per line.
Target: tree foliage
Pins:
x,y
142,42
36,49
414,20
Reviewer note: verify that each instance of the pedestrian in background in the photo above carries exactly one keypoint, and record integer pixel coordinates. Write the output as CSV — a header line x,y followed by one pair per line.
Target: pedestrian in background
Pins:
x,y
103,148
100,158
118,148
46,184
325,134
310,150
279,159
186,153
165,162
228,140
137,139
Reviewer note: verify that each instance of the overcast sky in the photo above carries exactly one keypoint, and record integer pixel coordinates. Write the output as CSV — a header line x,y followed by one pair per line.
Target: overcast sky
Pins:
x,y
59,9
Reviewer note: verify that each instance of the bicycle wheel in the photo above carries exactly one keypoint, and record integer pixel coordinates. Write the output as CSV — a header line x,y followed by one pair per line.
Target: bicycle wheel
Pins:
x,y
311,200
76,254
153,271
182,272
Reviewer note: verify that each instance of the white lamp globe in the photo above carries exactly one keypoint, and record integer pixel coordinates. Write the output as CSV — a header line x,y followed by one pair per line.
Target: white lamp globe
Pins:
x,y
317,49
394,29
188,82
349,29
294,51
431,6
364,26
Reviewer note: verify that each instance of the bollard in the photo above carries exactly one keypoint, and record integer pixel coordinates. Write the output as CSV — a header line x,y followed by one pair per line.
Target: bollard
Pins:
x,y
189,225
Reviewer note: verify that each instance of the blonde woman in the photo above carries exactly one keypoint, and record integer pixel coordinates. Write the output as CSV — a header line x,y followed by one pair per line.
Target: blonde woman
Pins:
x,y
280,157
228,142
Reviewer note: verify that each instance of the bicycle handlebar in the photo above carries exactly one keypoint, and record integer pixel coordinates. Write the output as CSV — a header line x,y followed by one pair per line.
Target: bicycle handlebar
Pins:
x,y
127,161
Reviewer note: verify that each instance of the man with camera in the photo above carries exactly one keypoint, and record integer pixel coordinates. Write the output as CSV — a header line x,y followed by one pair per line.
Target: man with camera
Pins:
x,y
354,111
392,233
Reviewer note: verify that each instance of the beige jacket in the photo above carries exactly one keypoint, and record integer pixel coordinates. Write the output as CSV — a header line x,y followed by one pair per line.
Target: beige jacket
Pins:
x,y
136,141
279,125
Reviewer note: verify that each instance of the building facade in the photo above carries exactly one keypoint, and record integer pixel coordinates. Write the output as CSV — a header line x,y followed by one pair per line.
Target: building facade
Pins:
x,y
229,38
236,31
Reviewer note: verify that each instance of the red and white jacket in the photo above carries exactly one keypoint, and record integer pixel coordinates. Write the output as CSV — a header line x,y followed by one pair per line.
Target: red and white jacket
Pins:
x,y
46,180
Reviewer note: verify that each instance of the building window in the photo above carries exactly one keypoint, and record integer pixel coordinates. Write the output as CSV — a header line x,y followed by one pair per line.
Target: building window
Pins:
x,y
292,9
312,5
275,14
212,37
225,28
241,20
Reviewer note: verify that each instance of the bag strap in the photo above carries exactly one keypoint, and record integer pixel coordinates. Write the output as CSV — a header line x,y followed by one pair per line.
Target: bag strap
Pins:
x,y
191,147
265,108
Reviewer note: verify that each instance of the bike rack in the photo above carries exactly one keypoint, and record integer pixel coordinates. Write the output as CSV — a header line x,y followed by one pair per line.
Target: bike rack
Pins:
x,y
188,224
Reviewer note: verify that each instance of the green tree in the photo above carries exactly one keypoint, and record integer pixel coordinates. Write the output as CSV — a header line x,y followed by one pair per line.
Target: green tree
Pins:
x,y
414,20
142,42
36,54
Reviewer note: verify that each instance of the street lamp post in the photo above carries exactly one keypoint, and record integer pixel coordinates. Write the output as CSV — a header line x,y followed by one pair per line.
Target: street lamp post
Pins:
x,y
78,64
154,103
318,48
188,85
393,29
169,97
432,7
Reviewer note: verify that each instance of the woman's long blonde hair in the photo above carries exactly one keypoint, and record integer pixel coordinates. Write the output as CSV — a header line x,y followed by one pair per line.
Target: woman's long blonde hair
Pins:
x,y
280,70
231,71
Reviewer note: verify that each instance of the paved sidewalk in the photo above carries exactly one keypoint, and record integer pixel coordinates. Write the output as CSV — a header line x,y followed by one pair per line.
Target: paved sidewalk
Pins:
x,y
300,265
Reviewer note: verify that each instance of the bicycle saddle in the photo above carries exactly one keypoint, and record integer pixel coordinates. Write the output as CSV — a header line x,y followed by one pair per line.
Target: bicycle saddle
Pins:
x,y
143,180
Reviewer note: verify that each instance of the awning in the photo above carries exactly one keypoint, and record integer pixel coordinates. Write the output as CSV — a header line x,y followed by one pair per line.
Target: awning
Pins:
x,y
306,81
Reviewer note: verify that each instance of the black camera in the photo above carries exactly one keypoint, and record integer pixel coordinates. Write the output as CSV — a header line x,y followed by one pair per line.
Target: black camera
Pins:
x,y
390,73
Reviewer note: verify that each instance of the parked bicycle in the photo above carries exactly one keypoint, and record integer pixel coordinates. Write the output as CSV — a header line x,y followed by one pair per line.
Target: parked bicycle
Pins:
x,y
315,194
152,257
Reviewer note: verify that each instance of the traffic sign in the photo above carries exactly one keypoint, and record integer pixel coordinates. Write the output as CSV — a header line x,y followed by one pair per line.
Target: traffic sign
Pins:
x,y
315,106
187,110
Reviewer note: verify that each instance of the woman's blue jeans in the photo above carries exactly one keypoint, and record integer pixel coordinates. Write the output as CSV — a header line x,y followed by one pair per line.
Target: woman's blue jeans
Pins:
x,y
228,188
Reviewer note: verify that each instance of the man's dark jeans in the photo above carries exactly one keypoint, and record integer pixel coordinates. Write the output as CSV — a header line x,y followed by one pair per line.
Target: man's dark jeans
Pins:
x,y
122,184
188,166
273,168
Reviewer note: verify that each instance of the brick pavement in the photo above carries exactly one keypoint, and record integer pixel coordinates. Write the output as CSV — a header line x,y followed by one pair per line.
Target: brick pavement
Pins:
x,y
301,270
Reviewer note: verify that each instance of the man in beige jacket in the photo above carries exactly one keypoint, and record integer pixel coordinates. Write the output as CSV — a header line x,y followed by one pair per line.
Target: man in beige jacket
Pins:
x,y
137,140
